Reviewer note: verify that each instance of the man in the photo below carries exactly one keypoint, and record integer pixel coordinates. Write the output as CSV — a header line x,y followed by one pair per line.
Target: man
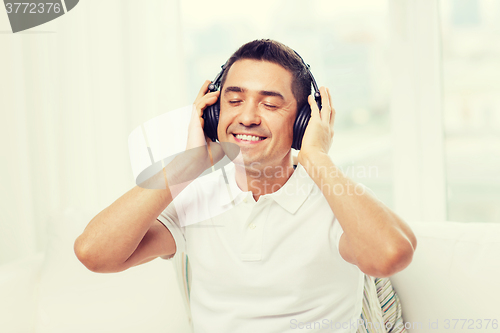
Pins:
x,y
291,246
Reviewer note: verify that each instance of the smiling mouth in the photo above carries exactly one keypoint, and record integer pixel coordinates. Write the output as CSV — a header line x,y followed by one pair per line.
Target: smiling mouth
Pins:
x,y
248,138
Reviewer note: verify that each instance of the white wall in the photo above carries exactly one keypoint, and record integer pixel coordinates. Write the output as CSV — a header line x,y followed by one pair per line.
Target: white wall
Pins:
x,y
71,91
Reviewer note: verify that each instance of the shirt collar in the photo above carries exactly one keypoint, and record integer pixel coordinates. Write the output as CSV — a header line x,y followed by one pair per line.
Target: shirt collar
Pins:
x,y
295,191
229,193
290,196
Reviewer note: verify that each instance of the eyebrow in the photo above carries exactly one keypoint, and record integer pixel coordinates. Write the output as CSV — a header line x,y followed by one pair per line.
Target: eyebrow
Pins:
x,y
262,92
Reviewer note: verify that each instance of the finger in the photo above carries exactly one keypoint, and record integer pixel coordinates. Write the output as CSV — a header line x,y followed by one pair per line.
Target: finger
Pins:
x,y
203,90
325,105
332,118
314,106
205,101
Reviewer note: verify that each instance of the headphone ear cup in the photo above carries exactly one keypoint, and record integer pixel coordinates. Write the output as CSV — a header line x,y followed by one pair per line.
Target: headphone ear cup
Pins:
x,y
299,127
211,118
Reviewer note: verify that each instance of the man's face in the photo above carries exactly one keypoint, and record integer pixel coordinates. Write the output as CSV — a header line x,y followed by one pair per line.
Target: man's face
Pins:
x,y
257,112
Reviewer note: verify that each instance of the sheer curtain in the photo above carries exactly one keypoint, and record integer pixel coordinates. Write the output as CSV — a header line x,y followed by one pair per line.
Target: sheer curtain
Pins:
x,y
71,91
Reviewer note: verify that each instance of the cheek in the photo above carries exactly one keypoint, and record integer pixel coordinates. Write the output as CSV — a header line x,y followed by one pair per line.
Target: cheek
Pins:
x,y
289,134
290,124
285,133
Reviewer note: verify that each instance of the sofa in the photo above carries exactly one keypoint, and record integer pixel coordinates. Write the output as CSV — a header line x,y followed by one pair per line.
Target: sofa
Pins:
x,y
449,286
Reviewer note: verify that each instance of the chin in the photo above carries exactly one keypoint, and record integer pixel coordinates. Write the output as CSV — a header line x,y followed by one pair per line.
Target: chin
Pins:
x,y
246,161
242,160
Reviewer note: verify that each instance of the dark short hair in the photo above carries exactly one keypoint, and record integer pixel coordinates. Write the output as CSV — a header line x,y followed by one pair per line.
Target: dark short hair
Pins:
x,y
278,53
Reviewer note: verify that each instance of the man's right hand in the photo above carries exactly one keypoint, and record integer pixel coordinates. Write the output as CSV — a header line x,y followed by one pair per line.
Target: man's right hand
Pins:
x,y
196,135
201,153
197,142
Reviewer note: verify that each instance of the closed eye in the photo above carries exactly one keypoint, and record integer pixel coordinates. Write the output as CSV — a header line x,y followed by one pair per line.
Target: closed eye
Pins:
x,y
270,106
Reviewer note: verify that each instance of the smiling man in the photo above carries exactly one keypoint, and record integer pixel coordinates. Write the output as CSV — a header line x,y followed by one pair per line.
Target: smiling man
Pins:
x,y
292,245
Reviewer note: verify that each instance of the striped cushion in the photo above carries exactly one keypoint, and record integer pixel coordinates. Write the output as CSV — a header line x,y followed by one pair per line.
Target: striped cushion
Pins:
x,y
391,306
381,311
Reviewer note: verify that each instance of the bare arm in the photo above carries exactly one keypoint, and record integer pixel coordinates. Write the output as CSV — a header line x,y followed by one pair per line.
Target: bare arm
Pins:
x,y
375,238
126,233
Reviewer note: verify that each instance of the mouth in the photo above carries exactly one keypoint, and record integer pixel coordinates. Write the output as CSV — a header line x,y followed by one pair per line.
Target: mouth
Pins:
x,y
248,138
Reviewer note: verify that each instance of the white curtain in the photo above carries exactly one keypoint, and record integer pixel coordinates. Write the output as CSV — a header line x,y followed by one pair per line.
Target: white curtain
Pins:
x,y
71,91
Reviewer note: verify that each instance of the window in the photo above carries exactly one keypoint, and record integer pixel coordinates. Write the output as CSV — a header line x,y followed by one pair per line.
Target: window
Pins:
x,y
471,91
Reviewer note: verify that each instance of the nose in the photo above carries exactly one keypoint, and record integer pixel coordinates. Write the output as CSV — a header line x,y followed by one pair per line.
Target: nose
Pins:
x,y
249,115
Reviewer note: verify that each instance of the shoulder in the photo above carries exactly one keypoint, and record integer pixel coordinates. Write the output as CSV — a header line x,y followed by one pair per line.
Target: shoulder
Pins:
x,y
204,198
203,187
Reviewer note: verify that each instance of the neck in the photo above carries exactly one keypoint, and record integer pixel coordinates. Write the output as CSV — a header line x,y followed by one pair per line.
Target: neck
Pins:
x,y
262,180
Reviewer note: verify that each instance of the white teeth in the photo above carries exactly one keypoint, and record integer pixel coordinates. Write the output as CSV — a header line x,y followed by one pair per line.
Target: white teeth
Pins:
x,y
248,137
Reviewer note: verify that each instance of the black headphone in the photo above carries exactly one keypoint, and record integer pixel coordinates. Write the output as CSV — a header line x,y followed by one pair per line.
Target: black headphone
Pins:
x,y
211,113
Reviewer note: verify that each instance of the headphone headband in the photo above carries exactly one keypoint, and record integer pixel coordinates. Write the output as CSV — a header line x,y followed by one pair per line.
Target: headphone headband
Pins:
x,y
315,85
216,82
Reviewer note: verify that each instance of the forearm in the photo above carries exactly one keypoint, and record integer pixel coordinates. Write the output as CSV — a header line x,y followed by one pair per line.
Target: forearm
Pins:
x,y
376,235
113,236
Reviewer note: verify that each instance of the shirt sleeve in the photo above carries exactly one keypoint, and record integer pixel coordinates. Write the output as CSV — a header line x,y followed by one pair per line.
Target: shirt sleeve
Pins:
x,y
170,220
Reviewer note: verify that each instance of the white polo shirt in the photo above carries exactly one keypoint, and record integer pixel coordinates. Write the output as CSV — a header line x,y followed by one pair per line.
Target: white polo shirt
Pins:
x,y
266,266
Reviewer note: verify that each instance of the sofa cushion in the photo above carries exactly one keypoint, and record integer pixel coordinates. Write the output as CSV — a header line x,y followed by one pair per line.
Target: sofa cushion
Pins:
x,y
18,294
73,299
453,275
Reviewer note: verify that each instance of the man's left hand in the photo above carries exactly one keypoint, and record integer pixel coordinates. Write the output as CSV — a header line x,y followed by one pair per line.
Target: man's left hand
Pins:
x,y
318,136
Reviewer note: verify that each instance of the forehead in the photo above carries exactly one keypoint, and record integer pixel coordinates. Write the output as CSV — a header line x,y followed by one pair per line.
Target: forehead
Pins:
x,y
259,75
